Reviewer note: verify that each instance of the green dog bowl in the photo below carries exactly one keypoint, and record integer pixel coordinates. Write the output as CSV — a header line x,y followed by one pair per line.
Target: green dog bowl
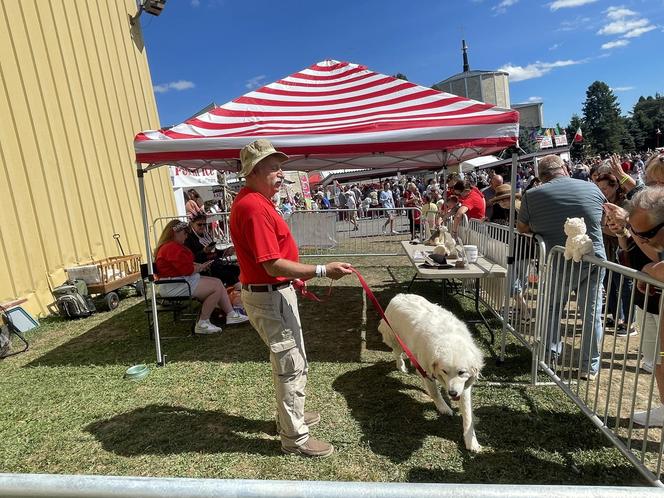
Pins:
x,y
137,372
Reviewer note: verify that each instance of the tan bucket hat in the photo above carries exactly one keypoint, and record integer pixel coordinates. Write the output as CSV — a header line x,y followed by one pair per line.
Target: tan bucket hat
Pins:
x,y
504,191
256,151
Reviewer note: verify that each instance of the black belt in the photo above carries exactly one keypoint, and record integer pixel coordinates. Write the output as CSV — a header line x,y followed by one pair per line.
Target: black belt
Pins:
x,y
265,287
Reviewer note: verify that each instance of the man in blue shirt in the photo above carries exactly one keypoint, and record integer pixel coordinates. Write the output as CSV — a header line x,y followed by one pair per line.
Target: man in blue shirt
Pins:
x,y
544,211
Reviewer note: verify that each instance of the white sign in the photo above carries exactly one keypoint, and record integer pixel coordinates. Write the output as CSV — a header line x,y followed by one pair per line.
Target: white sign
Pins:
x,y
197,178
546,142
560,140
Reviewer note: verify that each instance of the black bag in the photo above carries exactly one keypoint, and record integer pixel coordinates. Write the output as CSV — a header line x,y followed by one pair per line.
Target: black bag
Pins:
x,y
73,301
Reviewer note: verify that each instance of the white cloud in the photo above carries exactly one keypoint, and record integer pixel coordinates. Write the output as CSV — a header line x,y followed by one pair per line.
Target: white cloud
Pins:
x,y
534,99
502,7
255,82
623,26
535,70
622,88
574,24
615,44
555,46
566,4
617,13
173,85
195,3
625,22
639,31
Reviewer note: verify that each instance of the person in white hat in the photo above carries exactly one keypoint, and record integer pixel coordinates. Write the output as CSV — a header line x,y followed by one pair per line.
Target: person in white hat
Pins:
x,y
268,258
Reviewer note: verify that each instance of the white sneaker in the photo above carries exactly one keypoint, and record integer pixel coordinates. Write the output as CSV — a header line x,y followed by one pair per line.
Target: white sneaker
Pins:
x,y
646,366
205,327
234,317
656,417
394,232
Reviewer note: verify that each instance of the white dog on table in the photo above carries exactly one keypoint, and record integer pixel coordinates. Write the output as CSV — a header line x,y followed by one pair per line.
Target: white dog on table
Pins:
x,y
444,348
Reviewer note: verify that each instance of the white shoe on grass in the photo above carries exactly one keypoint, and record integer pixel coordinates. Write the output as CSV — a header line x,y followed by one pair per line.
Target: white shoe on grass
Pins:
x,y
235,317
205,327
656,417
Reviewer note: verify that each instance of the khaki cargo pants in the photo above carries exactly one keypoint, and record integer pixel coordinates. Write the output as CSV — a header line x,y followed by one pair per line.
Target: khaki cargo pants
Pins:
x,y
276,318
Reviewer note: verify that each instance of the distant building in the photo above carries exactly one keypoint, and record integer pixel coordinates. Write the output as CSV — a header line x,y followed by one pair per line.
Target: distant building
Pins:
x,y
491,87
530,114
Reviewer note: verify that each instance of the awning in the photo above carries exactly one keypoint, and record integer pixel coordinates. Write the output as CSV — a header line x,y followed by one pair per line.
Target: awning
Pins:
x,y
336,115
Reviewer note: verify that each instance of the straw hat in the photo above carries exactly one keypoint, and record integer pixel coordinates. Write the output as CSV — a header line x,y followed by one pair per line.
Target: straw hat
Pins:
x,y
255,152
503,192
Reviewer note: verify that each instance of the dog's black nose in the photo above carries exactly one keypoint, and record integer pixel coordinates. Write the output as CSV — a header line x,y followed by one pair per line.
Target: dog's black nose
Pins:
x,y
453,394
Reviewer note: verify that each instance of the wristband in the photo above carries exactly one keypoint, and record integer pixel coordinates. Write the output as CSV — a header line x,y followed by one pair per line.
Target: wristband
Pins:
x,y
624,179
321,271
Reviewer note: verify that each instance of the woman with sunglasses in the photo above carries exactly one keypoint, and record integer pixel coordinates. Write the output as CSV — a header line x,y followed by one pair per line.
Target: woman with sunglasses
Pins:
x,y
174,260
643,238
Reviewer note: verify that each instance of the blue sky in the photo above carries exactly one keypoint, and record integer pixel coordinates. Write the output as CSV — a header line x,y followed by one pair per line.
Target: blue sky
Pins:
x,y
203,51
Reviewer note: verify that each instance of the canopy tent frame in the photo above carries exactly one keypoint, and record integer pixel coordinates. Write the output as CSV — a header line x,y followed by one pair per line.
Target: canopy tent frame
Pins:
x,y
330,115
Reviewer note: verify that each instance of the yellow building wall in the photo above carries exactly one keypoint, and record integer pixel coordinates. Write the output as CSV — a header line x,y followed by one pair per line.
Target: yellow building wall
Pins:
x,y
75,88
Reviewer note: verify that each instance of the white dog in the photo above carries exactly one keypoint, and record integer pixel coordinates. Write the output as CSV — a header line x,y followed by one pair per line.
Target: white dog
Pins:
x,y
578,244
444,348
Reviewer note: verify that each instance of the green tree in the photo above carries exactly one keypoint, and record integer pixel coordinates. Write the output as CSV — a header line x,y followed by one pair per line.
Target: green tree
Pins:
x,y
605,129
647,117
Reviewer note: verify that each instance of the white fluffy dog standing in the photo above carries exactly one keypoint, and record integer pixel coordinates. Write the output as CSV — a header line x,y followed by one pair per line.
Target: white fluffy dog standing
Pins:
x,y
444,348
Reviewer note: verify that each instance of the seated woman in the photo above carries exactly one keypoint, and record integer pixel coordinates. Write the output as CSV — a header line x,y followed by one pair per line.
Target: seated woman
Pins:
x,y
174,260
200,242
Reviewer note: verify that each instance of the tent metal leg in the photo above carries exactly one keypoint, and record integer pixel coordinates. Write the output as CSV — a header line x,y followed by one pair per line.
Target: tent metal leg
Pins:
x,y
161,359
510,258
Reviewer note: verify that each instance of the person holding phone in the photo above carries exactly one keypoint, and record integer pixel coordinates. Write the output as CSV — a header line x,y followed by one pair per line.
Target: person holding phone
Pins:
x,y
201,243
174,260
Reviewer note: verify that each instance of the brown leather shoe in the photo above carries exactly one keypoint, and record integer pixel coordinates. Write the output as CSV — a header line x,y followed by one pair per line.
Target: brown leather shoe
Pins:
x,y
310,418
311,448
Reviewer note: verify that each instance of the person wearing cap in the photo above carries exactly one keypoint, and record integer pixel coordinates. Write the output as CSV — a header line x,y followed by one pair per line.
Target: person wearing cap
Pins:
x,y
544,211
173,260
268,258
502,198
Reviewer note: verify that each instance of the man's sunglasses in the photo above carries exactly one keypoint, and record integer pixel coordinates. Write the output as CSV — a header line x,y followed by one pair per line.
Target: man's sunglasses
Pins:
x,y
648,234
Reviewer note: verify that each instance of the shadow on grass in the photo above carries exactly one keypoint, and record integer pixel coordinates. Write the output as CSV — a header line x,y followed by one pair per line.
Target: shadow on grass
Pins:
x,y
331,332
164,429
396,416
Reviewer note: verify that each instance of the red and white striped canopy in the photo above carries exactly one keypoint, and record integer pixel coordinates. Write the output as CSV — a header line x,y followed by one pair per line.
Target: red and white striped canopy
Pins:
x,y
338,115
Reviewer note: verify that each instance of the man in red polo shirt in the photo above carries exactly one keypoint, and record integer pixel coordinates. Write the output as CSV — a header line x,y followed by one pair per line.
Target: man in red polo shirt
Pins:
x,y
268,258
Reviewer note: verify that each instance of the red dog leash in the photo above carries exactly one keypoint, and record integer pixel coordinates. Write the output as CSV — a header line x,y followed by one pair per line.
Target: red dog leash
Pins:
x,y
302,287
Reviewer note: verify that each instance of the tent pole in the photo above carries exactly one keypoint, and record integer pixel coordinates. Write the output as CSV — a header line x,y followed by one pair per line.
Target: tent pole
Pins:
x,y
161,360
510,257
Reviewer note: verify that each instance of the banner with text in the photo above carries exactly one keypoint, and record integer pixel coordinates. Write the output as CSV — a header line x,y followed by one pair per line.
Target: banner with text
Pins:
x,y
198,178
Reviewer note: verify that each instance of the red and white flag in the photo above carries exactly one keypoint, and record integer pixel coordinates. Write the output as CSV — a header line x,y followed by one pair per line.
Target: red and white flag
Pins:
x,y
578,137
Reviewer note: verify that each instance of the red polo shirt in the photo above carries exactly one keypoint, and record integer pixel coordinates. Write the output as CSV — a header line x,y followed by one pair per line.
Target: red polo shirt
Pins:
x,y
259,234
475,203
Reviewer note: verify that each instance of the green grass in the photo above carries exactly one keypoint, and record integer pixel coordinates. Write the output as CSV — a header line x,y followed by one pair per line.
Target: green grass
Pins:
x,y
65,407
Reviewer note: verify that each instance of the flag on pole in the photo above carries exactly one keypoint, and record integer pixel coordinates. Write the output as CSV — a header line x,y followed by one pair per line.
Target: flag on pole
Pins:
x,y
559,130
547,132
578,137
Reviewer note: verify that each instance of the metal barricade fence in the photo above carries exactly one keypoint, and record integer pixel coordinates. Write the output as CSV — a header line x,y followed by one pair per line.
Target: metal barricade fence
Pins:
x,y
516,304
598,362
336,232
342,232
88,486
